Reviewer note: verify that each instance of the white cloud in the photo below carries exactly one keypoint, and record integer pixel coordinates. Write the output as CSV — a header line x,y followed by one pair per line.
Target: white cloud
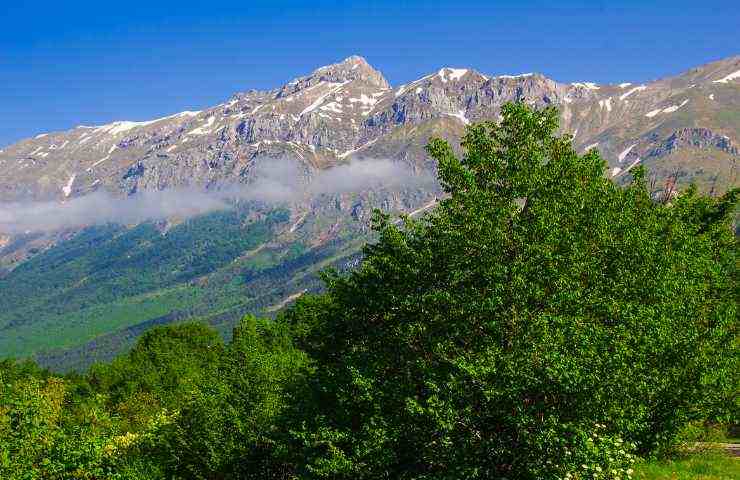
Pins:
x,y
273,181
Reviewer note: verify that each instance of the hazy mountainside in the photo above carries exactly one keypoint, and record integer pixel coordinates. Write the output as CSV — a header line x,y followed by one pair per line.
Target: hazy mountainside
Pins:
x,y
80,293
117,279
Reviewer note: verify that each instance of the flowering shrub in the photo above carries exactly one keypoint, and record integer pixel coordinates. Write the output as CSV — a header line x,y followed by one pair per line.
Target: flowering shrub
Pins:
x,y
597,456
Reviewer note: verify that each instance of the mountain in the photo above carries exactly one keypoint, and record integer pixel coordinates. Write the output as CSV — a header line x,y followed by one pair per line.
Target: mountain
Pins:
x,y
349,110
70,294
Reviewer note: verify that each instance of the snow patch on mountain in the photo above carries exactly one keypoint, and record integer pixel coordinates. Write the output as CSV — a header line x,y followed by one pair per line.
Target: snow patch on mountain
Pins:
x,y
729,77
400,90
320,100
673,108
123,126
112,149
460,115
451,74
203,129
587,85
67,189
521,75
332,107
364,99
625,152
354,150
669,109
631,91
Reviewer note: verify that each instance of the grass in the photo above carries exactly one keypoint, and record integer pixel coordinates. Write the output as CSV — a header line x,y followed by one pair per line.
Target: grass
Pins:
x,y
71,329
708,465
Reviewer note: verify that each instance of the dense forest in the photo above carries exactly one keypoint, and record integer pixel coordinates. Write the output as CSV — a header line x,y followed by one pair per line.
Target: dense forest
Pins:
x,y
87,298
540,323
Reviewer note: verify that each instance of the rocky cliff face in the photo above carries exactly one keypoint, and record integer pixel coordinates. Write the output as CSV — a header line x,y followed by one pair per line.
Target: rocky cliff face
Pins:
x,y
683,129
348,110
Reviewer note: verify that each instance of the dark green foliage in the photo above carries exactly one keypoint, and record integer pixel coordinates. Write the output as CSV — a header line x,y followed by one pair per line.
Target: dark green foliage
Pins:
x,y
77,288
225,430
166,366
220,299
181,404
537,303
88,298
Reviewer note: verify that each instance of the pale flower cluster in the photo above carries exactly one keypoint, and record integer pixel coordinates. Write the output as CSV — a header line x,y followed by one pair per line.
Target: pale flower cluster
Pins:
x,y
607,458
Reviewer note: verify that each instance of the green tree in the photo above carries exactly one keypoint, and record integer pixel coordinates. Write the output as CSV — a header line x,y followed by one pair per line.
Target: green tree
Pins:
x,y
228,428
165,366
29,424
541,322
46,434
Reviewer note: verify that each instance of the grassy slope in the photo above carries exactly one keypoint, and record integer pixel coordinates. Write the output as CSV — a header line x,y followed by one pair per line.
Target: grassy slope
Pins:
x,y
88,297
700,466
109,278
248,285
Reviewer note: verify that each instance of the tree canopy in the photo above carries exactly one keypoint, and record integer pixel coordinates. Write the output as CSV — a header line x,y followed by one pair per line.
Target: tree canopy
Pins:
x,y
539,305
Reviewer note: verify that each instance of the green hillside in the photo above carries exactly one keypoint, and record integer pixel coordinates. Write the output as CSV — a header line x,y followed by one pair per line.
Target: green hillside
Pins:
x,y
109,279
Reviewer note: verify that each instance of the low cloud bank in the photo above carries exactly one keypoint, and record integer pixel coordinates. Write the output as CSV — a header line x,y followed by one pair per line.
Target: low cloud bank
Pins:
x,y
275,181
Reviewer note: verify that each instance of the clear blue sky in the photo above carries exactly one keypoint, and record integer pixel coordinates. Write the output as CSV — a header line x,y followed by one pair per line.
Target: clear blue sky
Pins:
x,y
70,62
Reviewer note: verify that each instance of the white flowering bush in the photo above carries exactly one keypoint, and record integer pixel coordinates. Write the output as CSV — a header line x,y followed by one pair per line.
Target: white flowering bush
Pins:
x,y
594,454
573,451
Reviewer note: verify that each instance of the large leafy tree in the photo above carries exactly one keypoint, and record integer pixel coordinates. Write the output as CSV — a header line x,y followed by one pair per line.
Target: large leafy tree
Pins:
x,y
541,322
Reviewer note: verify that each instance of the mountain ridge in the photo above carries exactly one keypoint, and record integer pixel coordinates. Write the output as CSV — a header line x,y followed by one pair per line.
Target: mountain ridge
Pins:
x,y
74,294
333,113
388,85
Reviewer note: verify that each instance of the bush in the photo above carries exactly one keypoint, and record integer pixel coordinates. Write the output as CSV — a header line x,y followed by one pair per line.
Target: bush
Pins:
x,y
44,435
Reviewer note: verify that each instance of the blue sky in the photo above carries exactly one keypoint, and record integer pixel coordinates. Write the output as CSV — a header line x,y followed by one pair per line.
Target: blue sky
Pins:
x,y
65,63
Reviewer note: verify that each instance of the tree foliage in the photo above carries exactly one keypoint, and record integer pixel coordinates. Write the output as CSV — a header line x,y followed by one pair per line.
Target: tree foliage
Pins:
x,y
538,302
227,428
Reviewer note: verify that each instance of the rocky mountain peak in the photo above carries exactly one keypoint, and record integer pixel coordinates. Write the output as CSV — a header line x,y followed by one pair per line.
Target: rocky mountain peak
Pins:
x,y
346,110
354,68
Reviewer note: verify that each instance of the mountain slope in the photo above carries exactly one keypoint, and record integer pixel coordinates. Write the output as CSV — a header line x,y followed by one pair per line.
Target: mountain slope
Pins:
x,y
70,295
